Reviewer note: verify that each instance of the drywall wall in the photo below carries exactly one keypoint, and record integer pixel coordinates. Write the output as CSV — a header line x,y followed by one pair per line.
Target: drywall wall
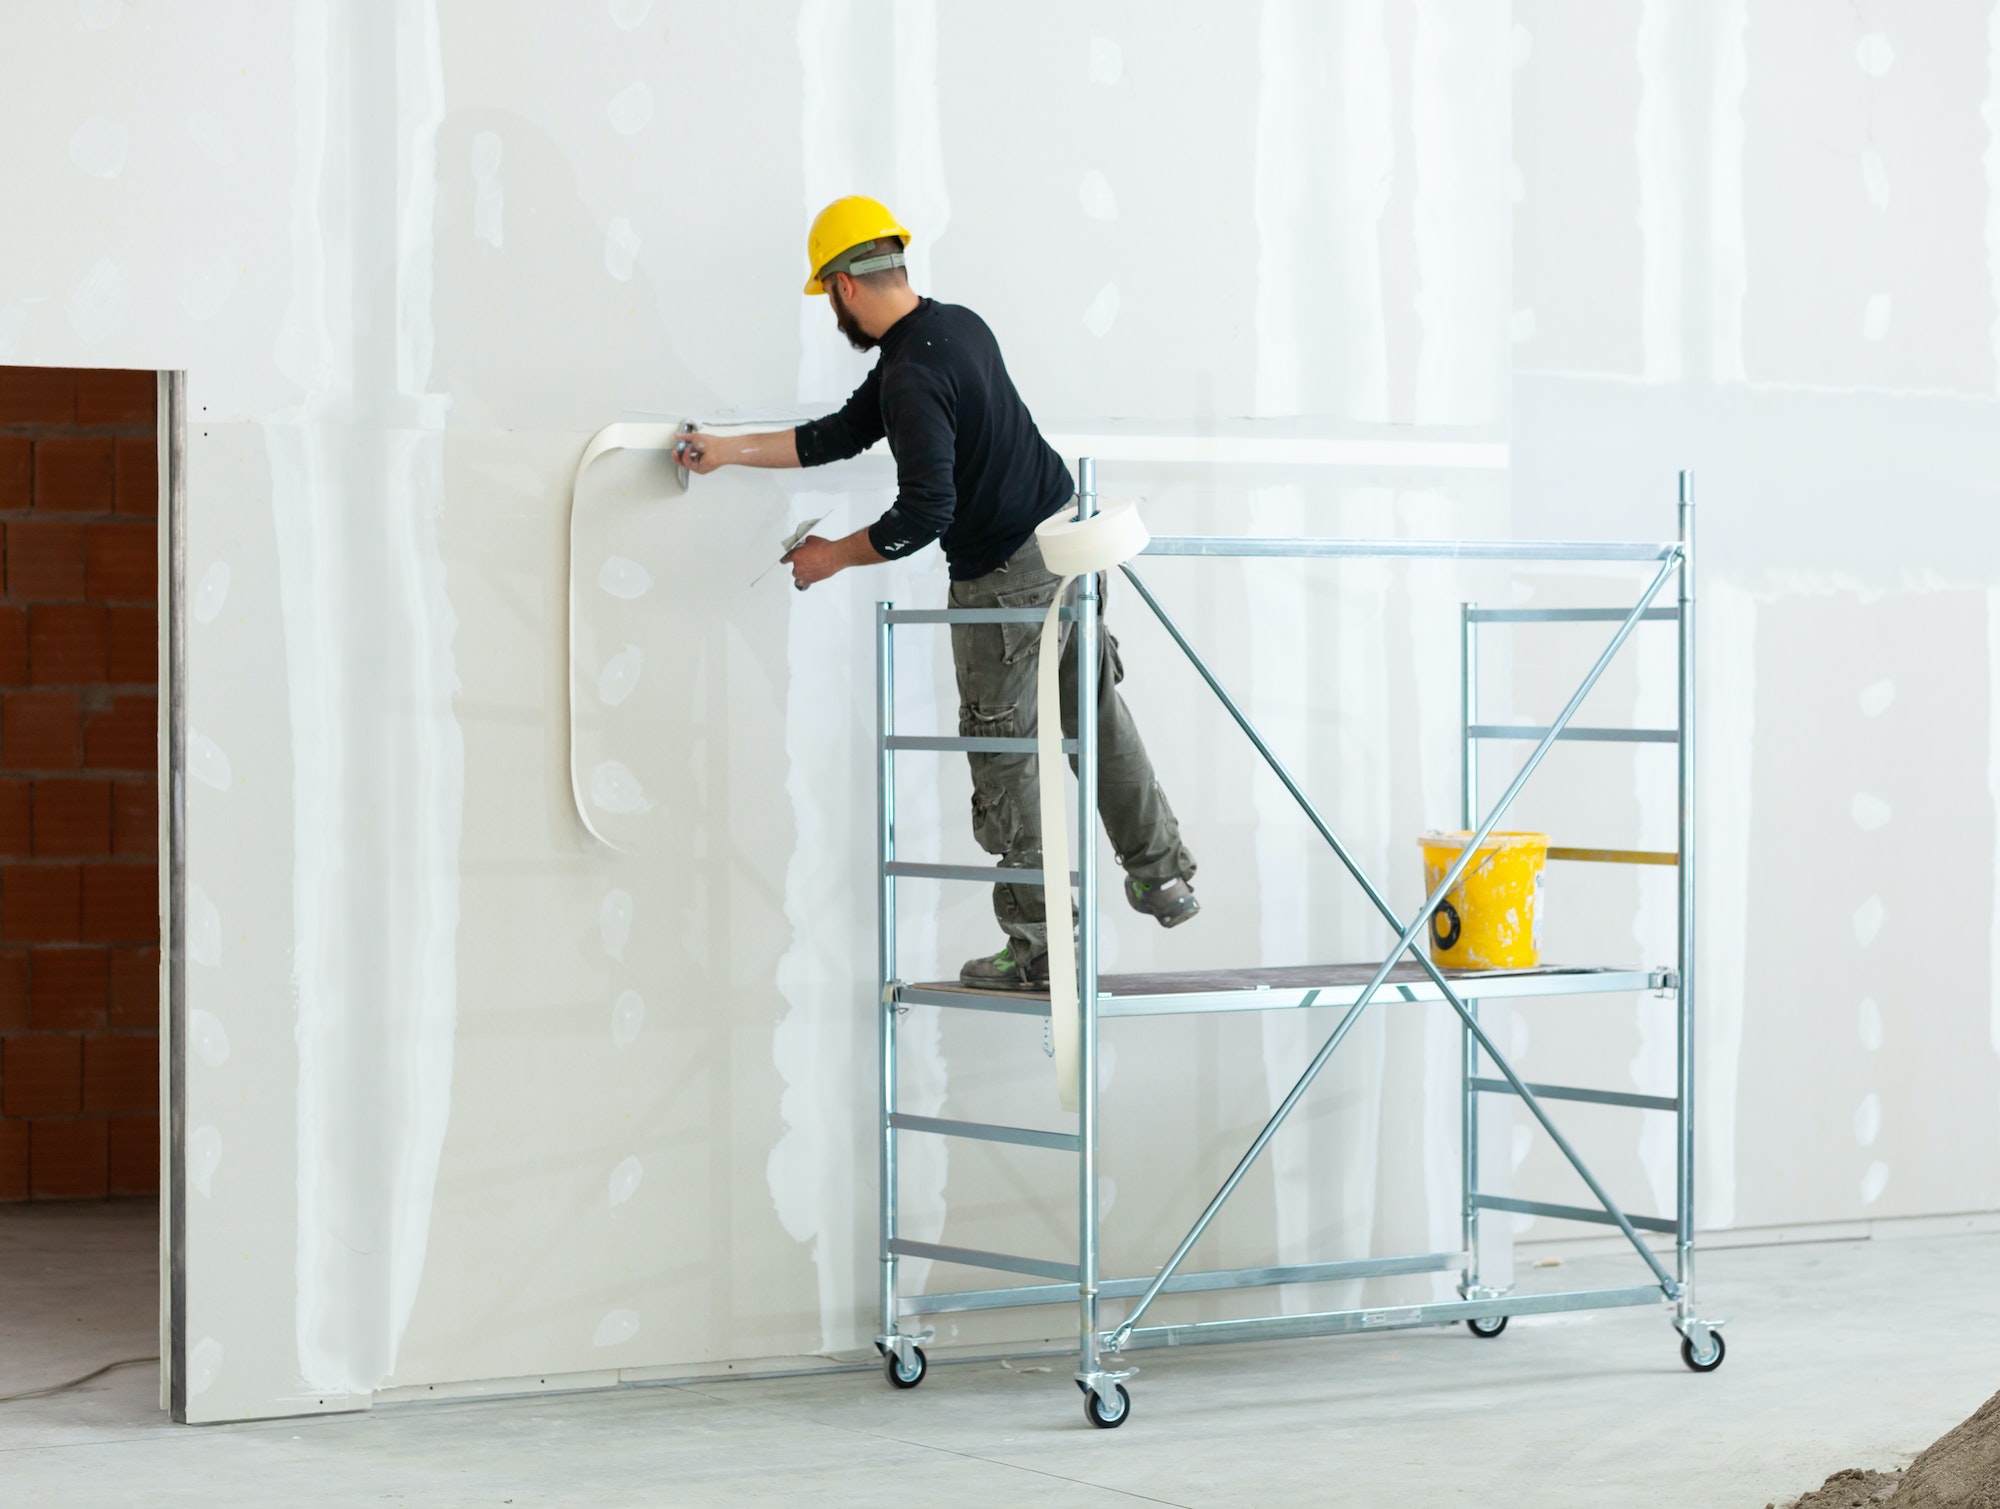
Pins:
x,y
490,1102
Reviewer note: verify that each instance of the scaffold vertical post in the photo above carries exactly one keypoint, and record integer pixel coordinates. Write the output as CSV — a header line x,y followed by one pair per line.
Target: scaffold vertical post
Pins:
x,y
1468,711
1086,631
1684,951
885,942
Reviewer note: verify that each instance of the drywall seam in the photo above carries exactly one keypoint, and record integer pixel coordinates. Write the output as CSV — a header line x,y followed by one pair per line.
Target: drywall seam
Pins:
x,y
1278,193
424,929
1279,638
1657,144
820,1173
1989,110
1728,255
1368,174
1461,215
308,582
1726,673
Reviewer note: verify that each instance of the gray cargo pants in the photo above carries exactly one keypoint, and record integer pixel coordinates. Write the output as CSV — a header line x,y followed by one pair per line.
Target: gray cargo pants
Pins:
x,y
996,695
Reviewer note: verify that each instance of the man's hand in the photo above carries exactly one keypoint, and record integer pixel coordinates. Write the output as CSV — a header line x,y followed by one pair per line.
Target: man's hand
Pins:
x,y
702,453
814,559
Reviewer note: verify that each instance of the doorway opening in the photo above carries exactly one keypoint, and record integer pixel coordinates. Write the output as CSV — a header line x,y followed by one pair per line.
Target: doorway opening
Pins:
x,y
80,840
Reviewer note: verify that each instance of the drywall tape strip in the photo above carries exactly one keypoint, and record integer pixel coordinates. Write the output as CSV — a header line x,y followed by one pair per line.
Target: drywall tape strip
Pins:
x,y
624,436
1071,548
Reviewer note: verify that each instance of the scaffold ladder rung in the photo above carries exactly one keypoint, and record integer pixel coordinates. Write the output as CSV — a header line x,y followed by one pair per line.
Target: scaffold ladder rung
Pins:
x,y
983,1131
973,1257
1569,1213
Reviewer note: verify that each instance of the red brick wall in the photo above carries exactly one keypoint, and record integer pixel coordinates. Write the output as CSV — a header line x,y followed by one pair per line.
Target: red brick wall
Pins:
x,y
79,913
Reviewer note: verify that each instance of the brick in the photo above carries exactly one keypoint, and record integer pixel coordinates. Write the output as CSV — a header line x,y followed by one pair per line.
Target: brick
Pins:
x,y
17,472
134,1161
137,490
135,987
135,819
122,736
120,564
41,1074
106,395
13,1160
67,1160
47,561
70,988
14,806
73,474
40,903
120,904
42,731
13,990
72,818
37,395
121,1072
69,644
134,655
14,646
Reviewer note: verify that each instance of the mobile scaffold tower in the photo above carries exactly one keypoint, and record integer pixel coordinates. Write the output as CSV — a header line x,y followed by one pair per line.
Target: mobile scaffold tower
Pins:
x,y
1407,974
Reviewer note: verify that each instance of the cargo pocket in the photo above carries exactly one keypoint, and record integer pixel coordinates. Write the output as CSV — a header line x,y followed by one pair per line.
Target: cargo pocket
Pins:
x,y
996,820
1020,640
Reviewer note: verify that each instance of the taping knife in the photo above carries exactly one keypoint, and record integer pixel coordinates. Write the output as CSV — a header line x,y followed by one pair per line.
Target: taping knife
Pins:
x,y
792,542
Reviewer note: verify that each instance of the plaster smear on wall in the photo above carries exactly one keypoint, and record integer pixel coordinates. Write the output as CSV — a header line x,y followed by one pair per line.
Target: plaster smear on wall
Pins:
x,y
1726,674
820,1172
378,774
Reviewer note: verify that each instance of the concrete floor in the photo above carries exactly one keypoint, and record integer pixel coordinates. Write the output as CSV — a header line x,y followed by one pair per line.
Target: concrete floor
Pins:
x,y
1842,1353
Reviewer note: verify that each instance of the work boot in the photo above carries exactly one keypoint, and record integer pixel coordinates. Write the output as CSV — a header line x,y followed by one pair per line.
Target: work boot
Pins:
x,y
1007,970
1169,902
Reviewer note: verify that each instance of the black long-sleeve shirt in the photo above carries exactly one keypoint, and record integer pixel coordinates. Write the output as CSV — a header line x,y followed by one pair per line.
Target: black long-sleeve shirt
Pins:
x,y
971,468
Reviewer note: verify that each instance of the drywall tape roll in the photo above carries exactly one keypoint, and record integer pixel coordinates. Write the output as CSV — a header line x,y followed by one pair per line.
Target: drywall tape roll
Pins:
x,y
1071,548
625,436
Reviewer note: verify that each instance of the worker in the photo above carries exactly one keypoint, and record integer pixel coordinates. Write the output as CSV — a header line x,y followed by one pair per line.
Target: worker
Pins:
x,y
973,472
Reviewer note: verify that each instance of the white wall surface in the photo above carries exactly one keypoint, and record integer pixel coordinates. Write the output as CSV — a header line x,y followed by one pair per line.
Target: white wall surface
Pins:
x,y
499,1103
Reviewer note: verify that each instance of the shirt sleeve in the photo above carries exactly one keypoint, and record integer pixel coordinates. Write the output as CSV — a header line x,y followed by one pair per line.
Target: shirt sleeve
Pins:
x,y
847,432
922,423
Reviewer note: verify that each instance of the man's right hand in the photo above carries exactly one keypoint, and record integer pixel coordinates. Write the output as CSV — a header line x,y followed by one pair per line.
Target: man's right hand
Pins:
x,y
702,453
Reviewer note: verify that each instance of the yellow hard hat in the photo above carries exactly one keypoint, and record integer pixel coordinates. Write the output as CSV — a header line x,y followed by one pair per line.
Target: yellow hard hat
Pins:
x,y
842,225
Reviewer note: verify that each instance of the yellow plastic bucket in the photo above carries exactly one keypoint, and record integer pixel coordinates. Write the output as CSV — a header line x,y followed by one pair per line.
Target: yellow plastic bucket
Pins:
x,y
1489,919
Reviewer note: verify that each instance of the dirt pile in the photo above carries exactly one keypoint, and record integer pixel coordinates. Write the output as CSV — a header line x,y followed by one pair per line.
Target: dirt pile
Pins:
x,y
1959,1470
1848,1487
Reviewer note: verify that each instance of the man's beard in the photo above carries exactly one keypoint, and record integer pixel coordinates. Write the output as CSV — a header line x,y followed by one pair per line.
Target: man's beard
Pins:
x,y
858,338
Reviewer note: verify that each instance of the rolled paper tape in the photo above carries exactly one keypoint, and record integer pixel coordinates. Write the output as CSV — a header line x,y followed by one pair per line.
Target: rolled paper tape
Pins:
x,y
1071,548
624,436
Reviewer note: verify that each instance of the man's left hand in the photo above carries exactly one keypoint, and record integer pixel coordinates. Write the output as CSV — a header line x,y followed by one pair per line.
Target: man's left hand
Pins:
x,y
813,560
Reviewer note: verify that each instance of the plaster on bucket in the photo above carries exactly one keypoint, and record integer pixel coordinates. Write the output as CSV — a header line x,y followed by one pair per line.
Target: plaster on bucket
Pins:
x,y
1489,919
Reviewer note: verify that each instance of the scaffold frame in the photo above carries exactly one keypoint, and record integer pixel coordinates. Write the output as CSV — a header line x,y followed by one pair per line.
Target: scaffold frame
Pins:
x,y
1407,974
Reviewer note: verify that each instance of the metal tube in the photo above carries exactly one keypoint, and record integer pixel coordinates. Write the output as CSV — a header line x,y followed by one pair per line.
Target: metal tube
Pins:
x,y
1684,954
1450,550
1468,1056
1403,942
173,415
1086,632
885,943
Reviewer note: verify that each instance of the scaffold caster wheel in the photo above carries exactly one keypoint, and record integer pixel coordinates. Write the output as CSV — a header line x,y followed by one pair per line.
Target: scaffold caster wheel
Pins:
x,y
1093,1409
1487,1326
1714,1360
892,1368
